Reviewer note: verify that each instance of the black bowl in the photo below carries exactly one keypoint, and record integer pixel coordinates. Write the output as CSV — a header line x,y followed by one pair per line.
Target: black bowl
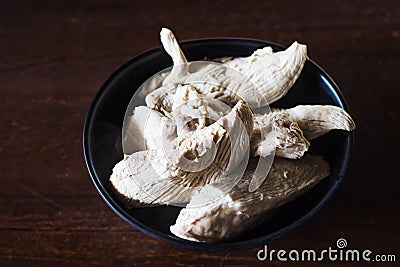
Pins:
x,y
102,138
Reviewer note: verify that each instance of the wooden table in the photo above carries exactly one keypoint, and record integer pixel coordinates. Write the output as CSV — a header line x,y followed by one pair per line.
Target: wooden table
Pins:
x,y
54,56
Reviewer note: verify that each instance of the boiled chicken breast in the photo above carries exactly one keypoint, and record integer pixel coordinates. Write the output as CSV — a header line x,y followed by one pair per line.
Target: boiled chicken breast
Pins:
x,y
146,129
191,110
259,79
170,174
317,120
289,130
273,74
277,132
214,216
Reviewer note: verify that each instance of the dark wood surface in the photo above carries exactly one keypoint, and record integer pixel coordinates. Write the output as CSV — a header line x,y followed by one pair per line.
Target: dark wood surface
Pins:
x,y
54,56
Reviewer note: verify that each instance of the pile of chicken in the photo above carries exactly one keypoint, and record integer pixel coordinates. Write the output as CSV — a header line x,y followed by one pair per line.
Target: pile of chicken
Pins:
x,y
191,137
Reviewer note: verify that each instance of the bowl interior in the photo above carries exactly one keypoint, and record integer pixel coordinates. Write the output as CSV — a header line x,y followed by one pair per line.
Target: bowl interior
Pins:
x,y
102,140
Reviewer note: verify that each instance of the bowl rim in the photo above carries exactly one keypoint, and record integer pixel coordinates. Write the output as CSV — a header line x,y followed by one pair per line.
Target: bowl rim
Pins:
x,y
210,247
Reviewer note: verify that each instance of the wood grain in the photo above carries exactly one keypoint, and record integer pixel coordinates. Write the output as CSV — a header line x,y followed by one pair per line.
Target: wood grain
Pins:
x,y
54,55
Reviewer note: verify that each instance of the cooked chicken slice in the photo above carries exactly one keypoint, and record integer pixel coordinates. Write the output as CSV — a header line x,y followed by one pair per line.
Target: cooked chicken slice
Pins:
x,y
197,150
178,71
316,120
259,79
265,76
222,82
272,73
219,82
146,129
277,131
191,110
239,125
171,173
289,129
131,176
180,67
214,150
156,177
192,160
161,98
212,80
152,84
213,215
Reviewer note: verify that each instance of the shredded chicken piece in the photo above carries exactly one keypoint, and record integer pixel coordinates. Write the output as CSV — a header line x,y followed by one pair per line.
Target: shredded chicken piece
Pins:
x,y
278,132
214,216
264,78
192,111
197,158
146,129
317,120
272,73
